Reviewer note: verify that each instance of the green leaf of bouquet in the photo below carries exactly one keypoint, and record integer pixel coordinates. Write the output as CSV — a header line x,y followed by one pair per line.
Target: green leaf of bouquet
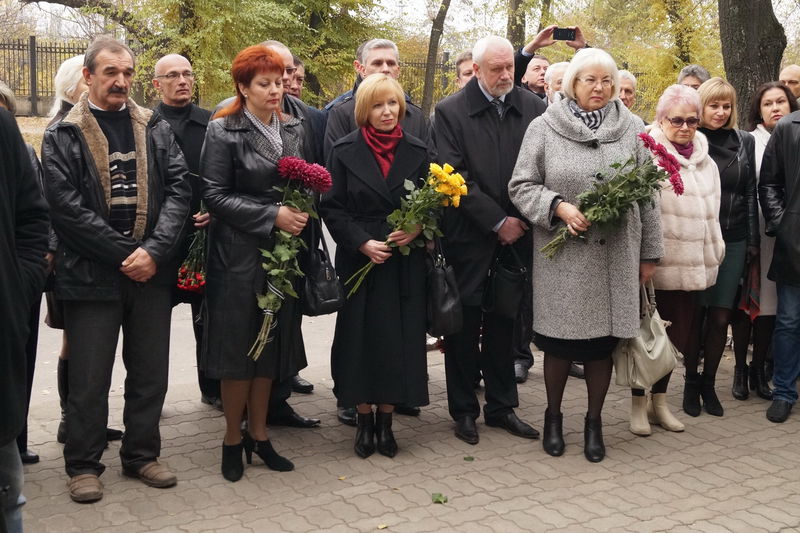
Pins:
x,y
405,249
409,185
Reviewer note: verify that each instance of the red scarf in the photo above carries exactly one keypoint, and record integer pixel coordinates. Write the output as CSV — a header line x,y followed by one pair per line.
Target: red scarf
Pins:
x,y
383,145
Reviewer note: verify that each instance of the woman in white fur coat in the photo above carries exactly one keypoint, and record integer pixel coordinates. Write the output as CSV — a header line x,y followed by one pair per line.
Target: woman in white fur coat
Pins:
x,y
693,245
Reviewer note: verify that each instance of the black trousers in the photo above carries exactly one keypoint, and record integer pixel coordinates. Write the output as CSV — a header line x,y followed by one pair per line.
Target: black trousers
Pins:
x,y
208,387
30,364
280,392
92,328
463,357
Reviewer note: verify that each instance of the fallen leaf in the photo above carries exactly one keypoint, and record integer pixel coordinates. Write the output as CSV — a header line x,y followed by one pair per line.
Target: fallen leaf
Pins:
x,y
469,458
342,478
438,497
382,526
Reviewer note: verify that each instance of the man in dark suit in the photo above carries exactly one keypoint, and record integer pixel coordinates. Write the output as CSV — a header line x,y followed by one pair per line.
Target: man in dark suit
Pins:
x,y
479,131
174,81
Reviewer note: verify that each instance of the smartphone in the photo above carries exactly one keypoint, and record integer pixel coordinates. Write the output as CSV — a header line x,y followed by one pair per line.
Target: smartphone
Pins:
x,y
564,34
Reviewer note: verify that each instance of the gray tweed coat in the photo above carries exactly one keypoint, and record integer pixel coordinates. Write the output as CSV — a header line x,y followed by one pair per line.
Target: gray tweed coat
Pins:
x,y
588,290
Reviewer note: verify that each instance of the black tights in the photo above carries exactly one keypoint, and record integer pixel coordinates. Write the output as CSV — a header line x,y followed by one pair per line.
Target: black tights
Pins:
x,y
659,386
598,378
761,328
717,320
680,308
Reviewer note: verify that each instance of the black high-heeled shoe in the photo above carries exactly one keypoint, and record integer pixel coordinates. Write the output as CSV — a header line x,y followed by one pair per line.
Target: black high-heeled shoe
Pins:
x,y
264,450
232,466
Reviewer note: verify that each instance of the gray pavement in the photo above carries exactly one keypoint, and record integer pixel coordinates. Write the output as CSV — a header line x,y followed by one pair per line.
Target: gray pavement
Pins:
x,y
735,473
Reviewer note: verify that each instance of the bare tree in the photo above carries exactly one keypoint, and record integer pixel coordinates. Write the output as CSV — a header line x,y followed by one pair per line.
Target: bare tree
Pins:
x,y
515,28
437,29
753,42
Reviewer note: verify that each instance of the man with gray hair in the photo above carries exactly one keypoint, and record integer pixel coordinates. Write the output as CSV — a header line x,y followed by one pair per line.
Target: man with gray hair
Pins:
x,y
693,76
376,56
118,190
479,132
553,78
790,76
627,88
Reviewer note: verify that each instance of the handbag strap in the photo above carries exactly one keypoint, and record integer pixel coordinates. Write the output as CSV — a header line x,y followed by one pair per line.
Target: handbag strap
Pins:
x,y
647,294
438,253
514,255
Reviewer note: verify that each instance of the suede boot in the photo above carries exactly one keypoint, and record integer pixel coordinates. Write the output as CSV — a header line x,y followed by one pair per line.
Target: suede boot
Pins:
x,y
709,395
639,424
691,394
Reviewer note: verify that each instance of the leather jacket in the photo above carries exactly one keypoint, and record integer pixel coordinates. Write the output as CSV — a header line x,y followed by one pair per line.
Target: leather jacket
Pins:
x,y
779,194
90,251
739,202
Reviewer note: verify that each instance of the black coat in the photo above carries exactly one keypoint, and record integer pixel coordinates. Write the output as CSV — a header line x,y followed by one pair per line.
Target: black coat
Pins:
x,y
779,193
470,136
90,251
342,120
378,353
239,177
23,245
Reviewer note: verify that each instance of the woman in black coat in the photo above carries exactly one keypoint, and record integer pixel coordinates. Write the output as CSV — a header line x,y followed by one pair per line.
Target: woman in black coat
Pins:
x,y
378,354
239,168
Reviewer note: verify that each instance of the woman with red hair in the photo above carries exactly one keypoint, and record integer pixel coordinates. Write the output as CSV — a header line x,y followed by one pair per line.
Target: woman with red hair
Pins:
x,y
239,169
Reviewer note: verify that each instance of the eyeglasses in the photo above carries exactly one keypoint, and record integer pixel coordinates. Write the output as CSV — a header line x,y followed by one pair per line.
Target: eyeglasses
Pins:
x,y
678,122
290,70
605,83
172,76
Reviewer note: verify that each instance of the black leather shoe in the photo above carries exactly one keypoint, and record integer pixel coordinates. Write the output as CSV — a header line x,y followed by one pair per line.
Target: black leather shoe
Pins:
x,y
384,437
593,447
293,420
406,410
113,434
576,371
232,466
346,415
213,401
466,430
511,423
301,386
779,411
28,457
553,441
759,382
520,373
710,400
739,389
364,445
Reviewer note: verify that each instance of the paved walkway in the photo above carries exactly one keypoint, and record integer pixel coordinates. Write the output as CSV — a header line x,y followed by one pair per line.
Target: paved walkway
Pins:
x,y
736,473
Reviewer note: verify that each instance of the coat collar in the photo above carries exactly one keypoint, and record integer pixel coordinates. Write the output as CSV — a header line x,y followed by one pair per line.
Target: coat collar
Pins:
x,y
196,114
700,146
617,121
290,134
357,157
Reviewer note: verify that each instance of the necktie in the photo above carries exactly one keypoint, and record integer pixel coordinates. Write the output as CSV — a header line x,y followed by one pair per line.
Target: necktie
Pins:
x,y
500,106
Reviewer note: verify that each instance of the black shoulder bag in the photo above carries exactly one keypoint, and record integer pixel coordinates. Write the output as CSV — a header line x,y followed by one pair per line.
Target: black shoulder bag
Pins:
x,y
503,292
324,293
444,301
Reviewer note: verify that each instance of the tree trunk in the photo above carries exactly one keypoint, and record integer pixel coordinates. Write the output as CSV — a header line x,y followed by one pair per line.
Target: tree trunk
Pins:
x,y
515,29
680,30
752,46
544,15
433,52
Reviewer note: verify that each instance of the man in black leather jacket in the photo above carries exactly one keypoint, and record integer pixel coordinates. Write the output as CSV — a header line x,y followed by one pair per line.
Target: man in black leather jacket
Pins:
x,y
118,190
779,193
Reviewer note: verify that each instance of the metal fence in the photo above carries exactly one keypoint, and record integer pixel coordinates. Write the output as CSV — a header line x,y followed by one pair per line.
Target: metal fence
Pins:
x,y
28,67
412,78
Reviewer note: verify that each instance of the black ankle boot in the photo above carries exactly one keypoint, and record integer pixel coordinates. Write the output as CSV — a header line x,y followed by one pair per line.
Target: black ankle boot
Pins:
x,y
553,440
593,447
365,435
691,395
759,382
62,379
232,466
709,395
383,434
739,389
264,450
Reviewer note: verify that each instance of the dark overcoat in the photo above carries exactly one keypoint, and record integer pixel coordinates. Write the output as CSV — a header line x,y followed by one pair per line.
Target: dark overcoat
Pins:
x,y
378,353
23,244
470,136
239,175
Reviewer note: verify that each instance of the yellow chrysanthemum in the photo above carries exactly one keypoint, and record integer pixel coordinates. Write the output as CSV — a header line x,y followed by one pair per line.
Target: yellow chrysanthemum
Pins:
x,y
448,169
456,201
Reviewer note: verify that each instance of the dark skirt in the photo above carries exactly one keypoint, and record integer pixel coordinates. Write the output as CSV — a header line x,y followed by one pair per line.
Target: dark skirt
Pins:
x,y
581,350
378,354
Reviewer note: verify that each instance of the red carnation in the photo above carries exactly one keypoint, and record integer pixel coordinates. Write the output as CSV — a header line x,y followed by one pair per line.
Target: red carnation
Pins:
x,y
292,168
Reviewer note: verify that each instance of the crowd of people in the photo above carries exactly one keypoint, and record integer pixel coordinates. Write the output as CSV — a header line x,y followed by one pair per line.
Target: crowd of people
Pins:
x,y
109,215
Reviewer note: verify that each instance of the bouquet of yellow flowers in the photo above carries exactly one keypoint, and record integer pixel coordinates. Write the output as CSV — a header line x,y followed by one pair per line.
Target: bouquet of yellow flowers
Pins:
x,y
420,209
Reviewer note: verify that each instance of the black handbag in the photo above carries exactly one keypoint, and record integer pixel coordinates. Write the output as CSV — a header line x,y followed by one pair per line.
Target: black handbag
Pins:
x,y
444,301
505,284
324,293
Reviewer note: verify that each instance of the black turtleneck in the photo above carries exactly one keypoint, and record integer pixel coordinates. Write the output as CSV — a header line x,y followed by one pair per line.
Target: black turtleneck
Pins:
x,y
189,134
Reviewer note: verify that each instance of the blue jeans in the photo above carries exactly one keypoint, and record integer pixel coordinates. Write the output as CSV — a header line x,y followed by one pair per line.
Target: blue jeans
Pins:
x,y
11,499
786,344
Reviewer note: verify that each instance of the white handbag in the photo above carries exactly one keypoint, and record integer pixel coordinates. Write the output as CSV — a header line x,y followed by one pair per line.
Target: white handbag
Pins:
x,y
641,361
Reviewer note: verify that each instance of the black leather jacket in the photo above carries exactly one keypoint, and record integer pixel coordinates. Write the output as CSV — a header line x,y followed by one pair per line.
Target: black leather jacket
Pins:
x,y
779,193
738,208
90,251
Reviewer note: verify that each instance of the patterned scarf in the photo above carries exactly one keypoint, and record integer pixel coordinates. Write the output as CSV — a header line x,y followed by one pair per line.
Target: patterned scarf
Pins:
x,y
271,131
382,144
592,119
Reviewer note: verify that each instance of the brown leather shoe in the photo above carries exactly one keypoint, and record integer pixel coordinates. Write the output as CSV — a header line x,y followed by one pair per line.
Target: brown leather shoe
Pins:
x,y
85,488
154,474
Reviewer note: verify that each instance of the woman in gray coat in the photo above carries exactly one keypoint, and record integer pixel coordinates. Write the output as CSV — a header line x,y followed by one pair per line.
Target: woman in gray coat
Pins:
x,y
587,297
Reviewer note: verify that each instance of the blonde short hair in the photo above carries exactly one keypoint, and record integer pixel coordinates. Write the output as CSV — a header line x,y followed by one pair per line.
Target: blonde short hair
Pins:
x,y
373,87
714,90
